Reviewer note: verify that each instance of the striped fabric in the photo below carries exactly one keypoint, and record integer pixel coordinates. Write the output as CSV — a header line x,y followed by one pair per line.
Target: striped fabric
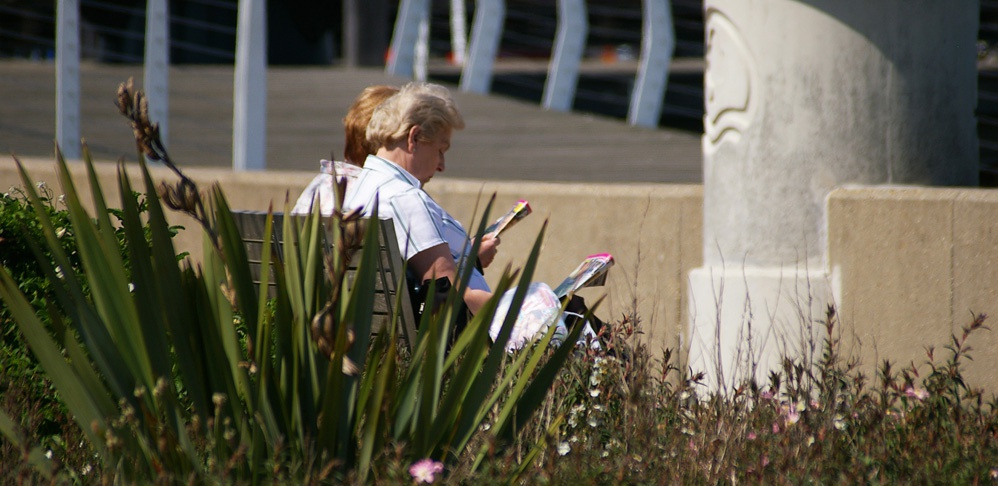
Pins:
x,y
420,223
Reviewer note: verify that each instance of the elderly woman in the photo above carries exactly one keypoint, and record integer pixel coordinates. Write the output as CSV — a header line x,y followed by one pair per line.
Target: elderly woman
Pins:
x,y
412,132
355,149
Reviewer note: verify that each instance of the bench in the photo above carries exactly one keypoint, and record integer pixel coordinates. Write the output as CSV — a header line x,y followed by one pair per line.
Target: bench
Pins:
x,y
390,274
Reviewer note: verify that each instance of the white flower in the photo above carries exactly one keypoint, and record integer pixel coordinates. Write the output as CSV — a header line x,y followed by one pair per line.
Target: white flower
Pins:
x,y
48,454
917,393
839,422
594,392
564,448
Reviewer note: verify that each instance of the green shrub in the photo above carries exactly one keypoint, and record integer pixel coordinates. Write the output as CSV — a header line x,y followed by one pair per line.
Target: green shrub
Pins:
x,y
23,385
633,424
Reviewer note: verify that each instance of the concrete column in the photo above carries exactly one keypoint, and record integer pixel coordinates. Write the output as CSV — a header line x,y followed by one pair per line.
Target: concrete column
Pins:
x,y
803,96
658,42
401,58
569,44
156,65
486,32
67,78
421,53
249,110
458,32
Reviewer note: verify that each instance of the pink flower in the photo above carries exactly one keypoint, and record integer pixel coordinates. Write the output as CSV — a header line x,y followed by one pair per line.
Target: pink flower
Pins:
x,y
776,428
766,394
425,470
751,436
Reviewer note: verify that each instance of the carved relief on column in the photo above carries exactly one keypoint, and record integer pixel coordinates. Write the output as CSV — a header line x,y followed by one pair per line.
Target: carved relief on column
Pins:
x,y
730,82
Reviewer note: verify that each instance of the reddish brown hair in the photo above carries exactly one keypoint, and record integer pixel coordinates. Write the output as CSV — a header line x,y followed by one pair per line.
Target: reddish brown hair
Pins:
x,y
356,147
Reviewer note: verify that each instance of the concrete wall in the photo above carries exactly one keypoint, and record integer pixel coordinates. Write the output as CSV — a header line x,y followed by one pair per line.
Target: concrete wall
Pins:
x,y
908,265
653,230
911,266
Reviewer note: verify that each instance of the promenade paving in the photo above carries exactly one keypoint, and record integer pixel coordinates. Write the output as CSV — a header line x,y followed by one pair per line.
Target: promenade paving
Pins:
x,y
505,139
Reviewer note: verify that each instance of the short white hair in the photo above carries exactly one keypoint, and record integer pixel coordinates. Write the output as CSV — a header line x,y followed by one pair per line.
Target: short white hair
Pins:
x,y
428,106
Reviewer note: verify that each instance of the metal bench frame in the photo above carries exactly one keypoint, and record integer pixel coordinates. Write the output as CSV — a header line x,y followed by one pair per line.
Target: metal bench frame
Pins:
x,y
390,286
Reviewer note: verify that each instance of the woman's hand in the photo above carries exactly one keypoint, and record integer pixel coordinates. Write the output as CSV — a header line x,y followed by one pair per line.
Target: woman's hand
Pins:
x,y
488,249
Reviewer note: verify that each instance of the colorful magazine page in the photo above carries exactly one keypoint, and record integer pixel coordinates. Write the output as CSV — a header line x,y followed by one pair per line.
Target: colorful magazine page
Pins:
x,y
520,210
590,273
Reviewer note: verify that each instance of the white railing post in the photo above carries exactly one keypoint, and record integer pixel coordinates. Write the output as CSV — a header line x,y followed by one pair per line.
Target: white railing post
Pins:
x,y
658,42
156,68
401,56
570,41
422,53
249,110
458,32
67,78
476,76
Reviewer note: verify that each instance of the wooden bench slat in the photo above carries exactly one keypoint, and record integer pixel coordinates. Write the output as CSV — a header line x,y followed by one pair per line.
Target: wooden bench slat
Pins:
x,y
251,226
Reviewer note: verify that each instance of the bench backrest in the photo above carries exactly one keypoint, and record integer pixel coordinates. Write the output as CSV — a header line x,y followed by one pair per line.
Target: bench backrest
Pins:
x,y
390,284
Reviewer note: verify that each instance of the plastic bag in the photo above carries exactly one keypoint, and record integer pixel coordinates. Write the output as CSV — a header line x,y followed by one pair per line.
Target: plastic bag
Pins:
x,y
540,310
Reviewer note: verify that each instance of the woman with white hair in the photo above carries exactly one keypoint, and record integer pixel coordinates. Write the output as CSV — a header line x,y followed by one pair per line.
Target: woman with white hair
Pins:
x,y
412,130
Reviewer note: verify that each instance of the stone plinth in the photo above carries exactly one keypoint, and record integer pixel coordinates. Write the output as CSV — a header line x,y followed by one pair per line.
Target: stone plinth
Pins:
x,y
804,96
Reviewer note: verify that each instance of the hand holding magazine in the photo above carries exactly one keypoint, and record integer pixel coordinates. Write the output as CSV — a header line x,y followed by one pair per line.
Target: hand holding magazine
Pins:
x,y
520,210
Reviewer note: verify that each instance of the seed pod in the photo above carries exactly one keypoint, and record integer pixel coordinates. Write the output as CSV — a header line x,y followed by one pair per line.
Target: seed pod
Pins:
x,y
324,331
124,101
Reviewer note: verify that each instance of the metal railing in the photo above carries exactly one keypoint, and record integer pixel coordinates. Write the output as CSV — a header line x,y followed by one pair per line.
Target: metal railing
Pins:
x,y
202,31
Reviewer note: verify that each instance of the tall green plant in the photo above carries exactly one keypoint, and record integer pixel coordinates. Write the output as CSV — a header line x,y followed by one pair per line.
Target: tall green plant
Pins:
x,y
188,371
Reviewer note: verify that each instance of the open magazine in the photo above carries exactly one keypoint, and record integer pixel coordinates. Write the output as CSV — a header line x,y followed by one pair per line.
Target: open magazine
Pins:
x,y
590,273
541,306
520,210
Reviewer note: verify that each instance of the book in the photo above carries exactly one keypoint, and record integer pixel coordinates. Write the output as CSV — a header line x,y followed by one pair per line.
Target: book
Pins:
x,y
520,210
590,273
